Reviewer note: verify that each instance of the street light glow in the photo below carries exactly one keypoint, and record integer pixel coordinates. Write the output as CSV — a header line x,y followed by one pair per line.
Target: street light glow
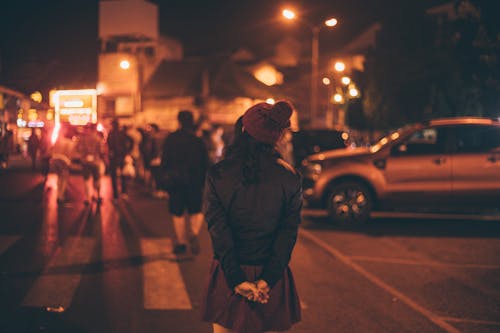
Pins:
x,y
339,66
124,64
326,81
331,22
270,101
338,98
288,14
353,92
36,96
345,80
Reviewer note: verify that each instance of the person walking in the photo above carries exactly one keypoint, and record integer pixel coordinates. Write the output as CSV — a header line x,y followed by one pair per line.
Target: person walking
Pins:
x,y
45,147
119,146
184,163
92,154
60,161
6,145
252,205
33,146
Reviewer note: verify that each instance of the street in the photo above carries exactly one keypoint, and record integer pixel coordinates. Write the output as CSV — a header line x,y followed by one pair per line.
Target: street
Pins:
x,y
110,268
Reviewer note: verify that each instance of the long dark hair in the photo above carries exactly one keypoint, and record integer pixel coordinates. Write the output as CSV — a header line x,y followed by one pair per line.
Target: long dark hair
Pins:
x,y
249,150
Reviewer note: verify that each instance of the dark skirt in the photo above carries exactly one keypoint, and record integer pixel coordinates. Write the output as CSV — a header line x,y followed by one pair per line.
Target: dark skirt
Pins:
x,y
222,306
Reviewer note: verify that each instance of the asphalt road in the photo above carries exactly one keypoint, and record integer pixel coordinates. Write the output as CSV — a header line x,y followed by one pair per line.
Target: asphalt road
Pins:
x,y
110,268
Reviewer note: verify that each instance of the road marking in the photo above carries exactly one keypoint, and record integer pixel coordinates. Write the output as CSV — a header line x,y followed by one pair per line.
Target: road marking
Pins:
x,y
436,216
6,242
378,282
420,263
58,282
471,321
164,287
308,212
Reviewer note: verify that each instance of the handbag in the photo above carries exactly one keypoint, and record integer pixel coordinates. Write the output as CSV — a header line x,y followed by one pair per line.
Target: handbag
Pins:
x,y
128,169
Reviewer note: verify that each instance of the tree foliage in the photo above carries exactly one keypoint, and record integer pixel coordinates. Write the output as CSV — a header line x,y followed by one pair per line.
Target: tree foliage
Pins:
x,y
428,66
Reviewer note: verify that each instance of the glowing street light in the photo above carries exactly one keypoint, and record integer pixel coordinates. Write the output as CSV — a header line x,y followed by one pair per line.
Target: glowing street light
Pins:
x,y
270,101
345,80
124,64
339,66
337,98
331,22
353,92
36,96
288,14
326,81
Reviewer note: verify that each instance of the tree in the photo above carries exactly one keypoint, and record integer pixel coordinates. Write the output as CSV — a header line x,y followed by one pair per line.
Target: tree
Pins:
x,y
468,83
428,66
398,68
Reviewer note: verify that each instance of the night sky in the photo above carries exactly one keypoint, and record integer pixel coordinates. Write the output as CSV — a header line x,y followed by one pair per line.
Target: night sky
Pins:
x,y
62,34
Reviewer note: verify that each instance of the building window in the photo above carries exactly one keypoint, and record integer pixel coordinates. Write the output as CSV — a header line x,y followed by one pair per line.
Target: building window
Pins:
x,y
149,51
110,107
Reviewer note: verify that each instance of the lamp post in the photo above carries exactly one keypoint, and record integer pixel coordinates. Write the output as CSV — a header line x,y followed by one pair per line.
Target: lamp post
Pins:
x,y
345,92
315,29
126,65
314,73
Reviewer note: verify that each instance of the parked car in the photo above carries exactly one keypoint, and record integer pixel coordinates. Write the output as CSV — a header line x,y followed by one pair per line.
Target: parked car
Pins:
x,y
444,165
308,142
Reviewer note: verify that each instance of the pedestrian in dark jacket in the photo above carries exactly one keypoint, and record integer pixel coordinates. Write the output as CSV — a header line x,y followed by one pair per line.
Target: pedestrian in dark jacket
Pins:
x,y
252,205
119,145
33,146
6,142
184,162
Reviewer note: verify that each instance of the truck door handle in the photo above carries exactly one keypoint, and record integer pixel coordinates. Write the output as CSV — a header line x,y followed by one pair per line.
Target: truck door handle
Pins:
x,y
492,158
439,160
380,164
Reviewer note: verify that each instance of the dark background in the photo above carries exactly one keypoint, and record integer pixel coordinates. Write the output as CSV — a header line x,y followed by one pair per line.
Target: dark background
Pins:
x,y
39,36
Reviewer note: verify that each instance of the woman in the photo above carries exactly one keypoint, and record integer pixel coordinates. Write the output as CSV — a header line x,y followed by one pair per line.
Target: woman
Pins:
x,y
252,204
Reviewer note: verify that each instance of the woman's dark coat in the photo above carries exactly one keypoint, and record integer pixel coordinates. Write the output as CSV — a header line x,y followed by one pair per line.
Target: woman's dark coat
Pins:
x,y
253,224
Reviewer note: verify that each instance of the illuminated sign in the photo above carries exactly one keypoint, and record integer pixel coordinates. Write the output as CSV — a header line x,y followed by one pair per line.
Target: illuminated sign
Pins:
x,y
77,107
79,119
73,104
36,123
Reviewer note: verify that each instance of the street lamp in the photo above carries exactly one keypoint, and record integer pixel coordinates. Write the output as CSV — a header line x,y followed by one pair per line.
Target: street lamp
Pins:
x,y
338,98
331,22
124,64
339,66
345,80
353,92
288,14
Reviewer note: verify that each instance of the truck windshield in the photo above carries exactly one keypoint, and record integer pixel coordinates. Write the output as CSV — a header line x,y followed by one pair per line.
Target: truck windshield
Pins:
x,y
391,137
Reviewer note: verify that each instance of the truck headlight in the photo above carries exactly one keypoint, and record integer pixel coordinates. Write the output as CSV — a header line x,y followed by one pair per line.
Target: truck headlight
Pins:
x,y
312,169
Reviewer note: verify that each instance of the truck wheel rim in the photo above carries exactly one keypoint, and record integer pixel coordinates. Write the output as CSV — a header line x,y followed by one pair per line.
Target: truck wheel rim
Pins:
x,y
349,203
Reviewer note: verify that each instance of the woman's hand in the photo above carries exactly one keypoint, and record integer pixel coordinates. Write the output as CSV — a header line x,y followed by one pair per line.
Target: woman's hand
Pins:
x,y
247,290
263,291
257,291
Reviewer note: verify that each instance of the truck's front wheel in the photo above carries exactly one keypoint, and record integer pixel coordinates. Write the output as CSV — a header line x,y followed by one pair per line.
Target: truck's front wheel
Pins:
x,y
350,203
